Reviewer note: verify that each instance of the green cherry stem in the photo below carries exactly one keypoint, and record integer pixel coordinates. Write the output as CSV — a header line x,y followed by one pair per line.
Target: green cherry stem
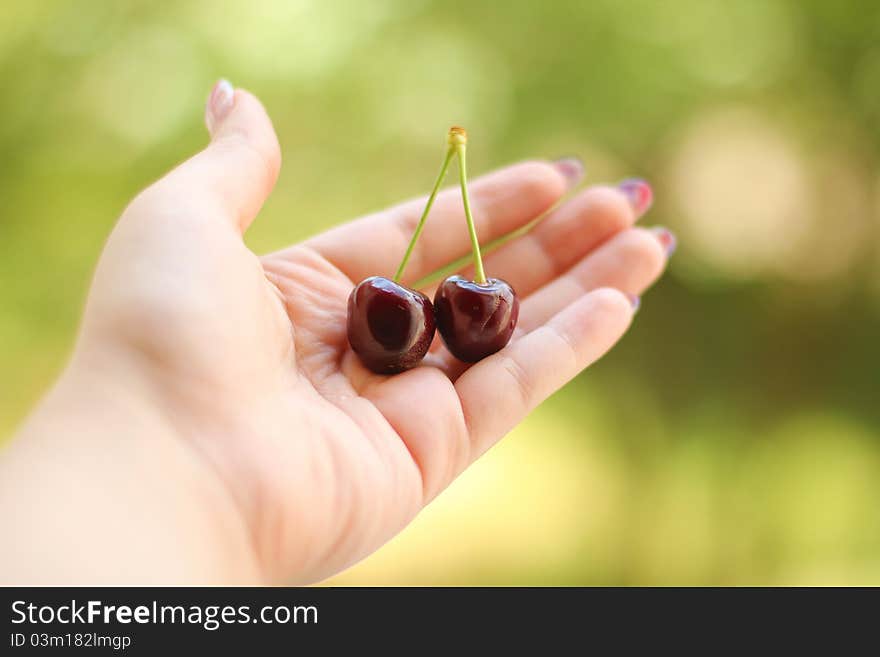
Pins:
x,y
493,245
418,231
460,141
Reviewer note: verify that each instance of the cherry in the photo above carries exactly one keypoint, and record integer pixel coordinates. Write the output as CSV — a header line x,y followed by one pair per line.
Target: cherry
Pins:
x,y
390,326
475,320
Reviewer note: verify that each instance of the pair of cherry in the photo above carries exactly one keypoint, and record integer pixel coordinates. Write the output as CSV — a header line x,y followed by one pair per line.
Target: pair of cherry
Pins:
x,y
391,326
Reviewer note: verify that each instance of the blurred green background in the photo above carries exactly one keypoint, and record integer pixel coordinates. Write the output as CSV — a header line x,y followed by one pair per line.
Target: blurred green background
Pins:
x,y
733,437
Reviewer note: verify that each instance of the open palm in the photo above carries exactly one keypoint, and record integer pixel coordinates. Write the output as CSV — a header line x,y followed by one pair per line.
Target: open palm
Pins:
x,y
324,460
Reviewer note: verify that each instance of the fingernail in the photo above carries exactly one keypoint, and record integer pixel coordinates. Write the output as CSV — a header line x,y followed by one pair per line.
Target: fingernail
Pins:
x,y
219,103
636,302
570,167
666,238
639,194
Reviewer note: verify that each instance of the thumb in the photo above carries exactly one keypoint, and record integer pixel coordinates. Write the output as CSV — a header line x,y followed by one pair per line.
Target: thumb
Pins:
x,y
234,175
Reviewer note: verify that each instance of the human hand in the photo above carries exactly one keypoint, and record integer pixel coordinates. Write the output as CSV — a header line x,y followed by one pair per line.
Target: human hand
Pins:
x,y
292,458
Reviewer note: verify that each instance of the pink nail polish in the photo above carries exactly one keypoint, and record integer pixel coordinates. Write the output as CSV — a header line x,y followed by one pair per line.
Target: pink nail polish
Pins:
x,y
220,103
639,194
571,168
666,238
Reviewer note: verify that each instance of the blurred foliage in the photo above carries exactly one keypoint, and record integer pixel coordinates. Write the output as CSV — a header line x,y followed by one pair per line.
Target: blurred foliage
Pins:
x,y
732,438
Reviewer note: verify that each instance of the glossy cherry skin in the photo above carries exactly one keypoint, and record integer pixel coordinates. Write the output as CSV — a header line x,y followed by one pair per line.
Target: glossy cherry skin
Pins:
x,y
389,326
475,320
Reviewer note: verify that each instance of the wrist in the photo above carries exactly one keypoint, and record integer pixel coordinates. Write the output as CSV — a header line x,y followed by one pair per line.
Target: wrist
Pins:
x,y
98,481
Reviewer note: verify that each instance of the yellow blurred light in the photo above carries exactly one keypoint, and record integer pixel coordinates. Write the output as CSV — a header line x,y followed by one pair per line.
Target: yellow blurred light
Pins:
x,y
743,191
841,230
821,481
675,539
753,203
527,505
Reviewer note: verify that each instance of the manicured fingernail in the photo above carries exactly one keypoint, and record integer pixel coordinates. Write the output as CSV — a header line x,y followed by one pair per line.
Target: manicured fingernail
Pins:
x,y
636,301
220,103
570,167
666,238
639,194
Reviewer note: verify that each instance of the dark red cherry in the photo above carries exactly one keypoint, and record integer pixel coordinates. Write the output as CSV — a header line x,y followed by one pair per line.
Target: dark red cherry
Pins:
x,y
475,320
389,326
